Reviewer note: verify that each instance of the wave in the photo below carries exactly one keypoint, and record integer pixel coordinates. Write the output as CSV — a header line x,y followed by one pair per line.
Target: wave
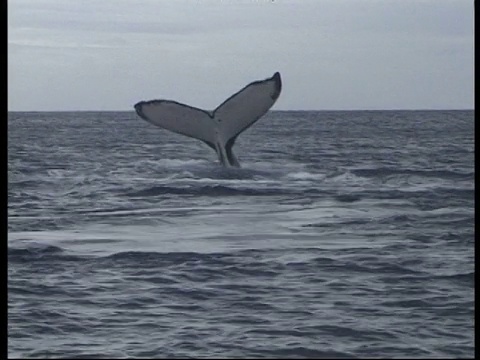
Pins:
x,y
207,190
36,251
387,171
157,258
39,252
467,278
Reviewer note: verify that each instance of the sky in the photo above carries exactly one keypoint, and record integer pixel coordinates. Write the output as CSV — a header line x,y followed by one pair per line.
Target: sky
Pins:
x,y
69,55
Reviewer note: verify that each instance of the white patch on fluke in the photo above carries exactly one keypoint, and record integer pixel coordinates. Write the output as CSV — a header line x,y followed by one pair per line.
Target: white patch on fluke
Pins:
x,y
219,128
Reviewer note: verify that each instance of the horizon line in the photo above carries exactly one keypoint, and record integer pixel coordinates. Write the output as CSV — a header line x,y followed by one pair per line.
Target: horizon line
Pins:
x,y
279,110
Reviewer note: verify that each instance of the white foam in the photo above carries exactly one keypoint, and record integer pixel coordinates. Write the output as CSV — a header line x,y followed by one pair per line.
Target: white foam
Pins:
x,y
179,162
60,173
303,175
348,178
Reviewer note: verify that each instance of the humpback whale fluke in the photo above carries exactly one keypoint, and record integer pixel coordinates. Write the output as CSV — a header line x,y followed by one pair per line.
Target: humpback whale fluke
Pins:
x,y
219,128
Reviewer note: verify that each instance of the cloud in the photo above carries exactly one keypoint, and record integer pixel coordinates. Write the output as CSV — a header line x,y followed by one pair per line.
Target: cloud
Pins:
x,y
333,54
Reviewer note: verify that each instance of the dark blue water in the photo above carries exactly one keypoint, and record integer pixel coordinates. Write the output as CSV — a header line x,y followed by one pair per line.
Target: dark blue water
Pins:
x,y
344,234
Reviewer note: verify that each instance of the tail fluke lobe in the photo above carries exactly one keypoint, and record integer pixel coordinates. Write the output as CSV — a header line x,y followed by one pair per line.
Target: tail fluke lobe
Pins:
x,y
244,108
179,118
220,128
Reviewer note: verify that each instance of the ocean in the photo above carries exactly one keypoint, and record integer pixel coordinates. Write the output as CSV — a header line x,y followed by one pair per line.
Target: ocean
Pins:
x,y
345,234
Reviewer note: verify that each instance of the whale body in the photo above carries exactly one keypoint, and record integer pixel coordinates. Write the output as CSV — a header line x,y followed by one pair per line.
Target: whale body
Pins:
x,y
218,128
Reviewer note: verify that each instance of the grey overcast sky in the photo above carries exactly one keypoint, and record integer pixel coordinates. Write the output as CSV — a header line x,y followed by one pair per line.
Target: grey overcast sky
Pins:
x,y
332,54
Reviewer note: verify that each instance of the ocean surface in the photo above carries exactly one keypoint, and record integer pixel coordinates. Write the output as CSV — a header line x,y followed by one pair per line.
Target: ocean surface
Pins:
x,y
344,235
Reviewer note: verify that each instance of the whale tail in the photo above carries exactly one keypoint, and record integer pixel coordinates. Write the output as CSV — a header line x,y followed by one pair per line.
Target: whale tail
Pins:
x,y
220,128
